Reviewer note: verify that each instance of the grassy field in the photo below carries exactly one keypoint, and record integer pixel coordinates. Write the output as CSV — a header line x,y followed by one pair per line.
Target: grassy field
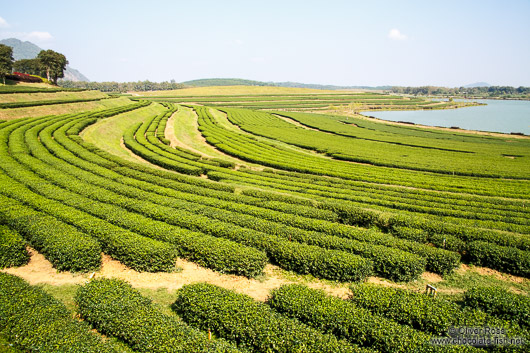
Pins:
x,y
294,99
69,108
233,90
166,196
26,97
107,135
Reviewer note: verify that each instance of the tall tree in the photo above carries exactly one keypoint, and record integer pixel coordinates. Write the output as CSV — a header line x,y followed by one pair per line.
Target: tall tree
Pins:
x,y
54,63
29,66
6,61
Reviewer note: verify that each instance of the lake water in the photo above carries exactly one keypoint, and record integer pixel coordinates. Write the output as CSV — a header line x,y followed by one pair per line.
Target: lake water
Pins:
x,y
497,116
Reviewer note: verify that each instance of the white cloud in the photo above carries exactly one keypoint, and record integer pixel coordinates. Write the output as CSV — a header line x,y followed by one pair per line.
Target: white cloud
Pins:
x,y
239,42
258,60
3,23
395,34
40,36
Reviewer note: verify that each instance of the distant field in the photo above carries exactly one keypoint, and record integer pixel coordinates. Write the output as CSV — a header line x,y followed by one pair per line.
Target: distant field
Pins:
x,y
295,99
234,90
8,114
43,96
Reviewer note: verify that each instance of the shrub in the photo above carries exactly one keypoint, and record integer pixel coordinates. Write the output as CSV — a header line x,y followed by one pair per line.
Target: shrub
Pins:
x,y
12,248
63,245
116,309
253,325
501,303
35,321
503,258
345,320
448,242
423,312
412,234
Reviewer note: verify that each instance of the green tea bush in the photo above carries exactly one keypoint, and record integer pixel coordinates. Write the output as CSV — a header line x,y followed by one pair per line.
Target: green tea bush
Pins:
x,y
116,309
345,320
501,303
423,312
35,321
448,242
12,248
412,234
251,324
503,258
63,245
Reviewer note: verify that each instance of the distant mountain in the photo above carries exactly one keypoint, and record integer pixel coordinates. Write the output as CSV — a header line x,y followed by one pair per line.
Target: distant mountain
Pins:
x,y
22,50
28,50
71,74
240,82
477,84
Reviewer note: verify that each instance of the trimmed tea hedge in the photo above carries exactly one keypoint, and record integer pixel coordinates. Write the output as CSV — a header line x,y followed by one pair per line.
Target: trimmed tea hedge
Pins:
x,y
35,321
133,250
501,303
12,248
502,258
423,312
116,309
253,325
345,320
63,245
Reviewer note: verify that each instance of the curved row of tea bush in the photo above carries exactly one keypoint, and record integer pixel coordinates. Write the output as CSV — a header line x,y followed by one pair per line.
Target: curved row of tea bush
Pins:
x,y
63,245
34,321
251,324
131,143
250,148
346,321
131,248
116,309
391,263
327,263
12,248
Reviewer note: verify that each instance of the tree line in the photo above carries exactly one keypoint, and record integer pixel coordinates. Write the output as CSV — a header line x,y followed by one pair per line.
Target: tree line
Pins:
x,y
491,91
48,63
120,87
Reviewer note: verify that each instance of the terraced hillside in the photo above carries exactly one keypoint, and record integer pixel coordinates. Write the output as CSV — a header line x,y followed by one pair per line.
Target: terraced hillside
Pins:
x,y
260,199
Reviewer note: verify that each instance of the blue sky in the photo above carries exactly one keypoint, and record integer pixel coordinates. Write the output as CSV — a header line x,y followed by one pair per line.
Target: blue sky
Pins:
x,y
447,43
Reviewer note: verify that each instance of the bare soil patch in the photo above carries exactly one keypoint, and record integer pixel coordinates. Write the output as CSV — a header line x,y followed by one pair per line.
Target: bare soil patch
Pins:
x,y
40,271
